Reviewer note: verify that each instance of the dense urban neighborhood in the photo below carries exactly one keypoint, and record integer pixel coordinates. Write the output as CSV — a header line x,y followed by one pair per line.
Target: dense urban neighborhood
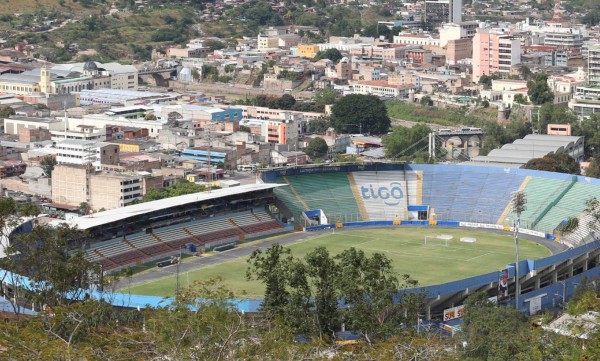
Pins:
x,y
191,180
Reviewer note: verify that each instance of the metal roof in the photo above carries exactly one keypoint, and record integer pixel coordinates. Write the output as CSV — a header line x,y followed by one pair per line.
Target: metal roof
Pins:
x,y
118,214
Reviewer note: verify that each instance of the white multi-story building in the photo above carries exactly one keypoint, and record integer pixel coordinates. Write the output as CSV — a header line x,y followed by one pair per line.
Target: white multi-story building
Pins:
x,y
84,152
381,88
594,64
417,39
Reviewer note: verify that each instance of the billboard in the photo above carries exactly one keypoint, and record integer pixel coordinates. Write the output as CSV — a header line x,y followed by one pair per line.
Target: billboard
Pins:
x,y
454,313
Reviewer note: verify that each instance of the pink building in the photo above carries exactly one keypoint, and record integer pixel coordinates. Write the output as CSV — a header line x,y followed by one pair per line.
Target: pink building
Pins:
x,y
494,52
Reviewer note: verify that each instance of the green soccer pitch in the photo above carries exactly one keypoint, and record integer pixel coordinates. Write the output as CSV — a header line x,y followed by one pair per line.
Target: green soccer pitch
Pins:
x,y
430,263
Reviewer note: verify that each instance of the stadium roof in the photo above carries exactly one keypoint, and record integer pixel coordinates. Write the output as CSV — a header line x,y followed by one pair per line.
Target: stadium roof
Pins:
x,y
532,146
117,214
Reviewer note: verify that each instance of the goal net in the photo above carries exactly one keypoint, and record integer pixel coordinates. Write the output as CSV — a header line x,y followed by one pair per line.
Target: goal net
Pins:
x,y
440,239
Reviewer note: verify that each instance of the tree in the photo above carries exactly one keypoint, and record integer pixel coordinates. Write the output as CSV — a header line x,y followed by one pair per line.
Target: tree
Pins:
x,y
320,125
323,272
593,169
426,101
590,129
494,332
325,96
317,147
6,112
53,259
271,267
362,113
332,54
400,142
150,116
520,99
286,101
84,208
487,79
369,286
525,73
213,45
177,189
556,162
591,18
47,163
538,89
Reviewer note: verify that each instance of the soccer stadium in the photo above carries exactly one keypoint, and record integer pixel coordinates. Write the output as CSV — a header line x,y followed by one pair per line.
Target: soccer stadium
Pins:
x,y
450,227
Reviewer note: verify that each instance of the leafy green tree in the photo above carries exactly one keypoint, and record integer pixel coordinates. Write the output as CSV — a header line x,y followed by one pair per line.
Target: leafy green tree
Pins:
x,y
317,147
426,101
525,73
591,18
590,129
84,208
271,267
556,162
402,140
55,264
47,163
6,112
363,113
178,189
324,272
320,125
286,101
538,89
494,332
487,79
325,96
213,45
520,99
594,169
369,286
332,54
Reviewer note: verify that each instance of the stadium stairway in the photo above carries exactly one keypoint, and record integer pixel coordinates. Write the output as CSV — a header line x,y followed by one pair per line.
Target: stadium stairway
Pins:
x,y
572,203
539,192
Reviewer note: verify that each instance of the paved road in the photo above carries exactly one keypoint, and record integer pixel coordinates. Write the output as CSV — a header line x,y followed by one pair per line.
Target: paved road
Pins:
x,y
205,261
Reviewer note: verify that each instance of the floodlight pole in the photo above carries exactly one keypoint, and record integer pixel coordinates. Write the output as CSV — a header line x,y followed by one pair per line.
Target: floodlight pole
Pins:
x,y
518,204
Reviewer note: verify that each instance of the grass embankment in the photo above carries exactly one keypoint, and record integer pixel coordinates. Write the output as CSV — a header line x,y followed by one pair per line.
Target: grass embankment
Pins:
x,y
430,264
442,116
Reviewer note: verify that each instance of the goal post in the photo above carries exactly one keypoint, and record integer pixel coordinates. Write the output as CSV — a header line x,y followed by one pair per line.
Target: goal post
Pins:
x,y
440,239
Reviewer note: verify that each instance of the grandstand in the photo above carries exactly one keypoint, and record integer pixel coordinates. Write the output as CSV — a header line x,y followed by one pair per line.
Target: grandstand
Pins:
x,y
448,192
144,232
203,233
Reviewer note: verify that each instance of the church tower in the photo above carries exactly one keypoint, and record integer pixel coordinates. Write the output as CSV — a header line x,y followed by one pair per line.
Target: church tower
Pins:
x,y
45,86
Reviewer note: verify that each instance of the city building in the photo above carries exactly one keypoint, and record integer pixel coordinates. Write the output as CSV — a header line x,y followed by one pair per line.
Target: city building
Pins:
x,y
457,31
307,50
75,184
494,51
594,64
438,12
381,88
82,152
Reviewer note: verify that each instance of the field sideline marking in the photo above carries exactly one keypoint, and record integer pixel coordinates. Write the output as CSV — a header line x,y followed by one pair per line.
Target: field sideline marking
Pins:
x,y
481,255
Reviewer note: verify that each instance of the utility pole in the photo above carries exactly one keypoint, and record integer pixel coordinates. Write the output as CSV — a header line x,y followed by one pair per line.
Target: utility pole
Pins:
x,y
518,202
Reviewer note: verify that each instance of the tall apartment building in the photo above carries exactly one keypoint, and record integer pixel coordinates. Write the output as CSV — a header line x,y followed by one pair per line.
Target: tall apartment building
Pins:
x,y
438,12
494,52
594,64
